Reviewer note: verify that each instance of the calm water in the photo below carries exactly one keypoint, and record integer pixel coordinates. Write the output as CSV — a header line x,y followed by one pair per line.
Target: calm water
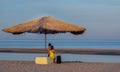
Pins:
x,y
65,57
110,44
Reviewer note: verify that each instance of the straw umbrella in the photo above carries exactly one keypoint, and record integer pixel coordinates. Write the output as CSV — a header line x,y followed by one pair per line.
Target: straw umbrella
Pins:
x,y
45,25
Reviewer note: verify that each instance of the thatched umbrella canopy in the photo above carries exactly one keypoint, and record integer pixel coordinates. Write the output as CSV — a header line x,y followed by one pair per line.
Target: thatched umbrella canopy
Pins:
x,y
45,25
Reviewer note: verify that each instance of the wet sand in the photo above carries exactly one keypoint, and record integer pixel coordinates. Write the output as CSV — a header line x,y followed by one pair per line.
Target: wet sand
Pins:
x,y
27,66
64,50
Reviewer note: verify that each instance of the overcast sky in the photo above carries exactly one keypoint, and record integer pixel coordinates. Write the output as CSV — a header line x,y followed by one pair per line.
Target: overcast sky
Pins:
x,y
101,18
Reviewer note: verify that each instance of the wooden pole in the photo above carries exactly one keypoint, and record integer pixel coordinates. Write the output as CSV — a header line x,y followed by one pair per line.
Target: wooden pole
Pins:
x,y
45,40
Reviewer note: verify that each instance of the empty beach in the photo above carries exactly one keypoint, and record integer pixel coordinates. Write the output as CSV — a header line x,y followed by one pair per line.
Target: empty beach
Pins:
x,y
27,66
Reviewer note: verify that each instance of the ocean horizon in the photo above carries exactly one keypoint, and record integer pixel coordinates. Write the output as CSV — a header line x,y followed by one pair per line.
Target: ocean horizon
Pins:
x,y
104,44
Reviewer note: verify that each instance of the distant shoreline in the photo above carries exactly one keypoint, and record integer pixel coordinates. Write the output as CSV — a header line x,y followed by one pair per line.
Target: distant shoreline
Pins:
x,y
64,50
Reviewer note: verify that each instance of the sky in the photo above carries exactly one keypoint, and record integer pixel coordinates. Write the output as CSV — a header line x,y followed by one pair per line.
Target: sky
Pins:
x,y
101,18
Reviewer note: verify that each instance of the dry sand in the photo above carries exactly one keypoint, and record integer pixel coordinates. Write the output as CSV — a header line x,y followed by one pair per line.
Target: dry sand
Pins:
x,y
22,66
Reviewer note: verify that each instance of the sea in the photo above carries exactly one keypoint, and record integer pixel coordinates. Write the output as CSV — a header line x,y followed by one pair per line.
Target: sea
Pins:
x,y
104,44
97,44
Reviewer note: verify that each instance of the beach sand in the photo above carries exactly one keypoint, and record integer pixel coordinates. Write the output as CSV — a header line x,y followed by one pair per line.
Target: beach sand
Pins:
x,y
27,66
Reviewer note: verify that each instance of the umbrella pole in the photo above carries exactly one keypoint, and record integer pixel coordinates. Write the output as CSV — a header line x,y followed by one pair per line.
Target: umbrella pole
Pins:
x,y
45,40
